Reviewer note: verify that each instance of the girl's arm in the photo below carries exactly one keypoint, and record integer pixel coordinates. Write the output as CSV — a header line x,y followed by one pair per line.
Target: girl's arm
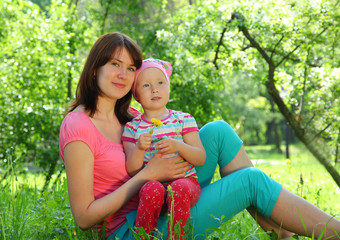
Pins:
x,y
135,153
87,210
191,149
134,158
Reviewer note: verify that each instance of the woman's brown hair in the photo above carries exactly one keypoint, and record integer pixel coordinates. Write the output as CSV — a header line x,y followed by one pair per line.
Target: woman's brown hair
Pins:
x,y
101,52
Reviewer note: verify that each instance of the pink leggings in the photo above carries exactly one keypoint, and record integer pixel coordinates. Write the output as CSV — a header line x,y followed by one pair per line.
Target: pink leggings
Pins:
x,y
153,194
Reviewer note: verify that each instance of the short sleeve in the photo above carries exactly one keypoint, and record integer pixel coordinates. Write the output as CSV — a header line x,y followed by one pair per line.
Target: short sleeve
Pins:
x,y
76,126
134,112
189,124
129,133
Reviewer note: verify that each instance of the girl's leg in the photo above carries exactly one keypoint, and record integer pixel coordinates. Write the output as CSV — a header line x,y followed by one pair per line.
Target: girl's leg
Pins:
x,y
299,216
151,200
186,194
224,148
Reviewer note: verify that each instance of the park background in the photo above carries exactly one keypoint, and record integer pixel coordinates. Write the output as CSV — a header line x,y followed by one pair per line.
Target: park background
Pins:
x,y
271,69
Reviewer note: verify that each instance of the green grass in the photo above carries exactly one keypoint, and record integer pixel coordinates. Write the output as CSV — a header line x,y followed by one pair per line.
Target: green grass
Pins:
x,y
303,175
25,213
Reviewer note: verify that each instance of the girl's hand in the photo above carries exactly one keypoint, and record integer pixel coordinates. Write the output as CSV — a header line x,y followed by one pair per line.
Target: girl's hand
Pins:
x,y
144,141
165,169
167,146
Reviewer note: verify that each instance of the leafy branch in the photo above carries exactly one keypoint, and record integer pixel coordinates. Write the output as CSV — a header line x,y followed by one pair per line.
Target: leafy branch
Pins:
x,y
300,131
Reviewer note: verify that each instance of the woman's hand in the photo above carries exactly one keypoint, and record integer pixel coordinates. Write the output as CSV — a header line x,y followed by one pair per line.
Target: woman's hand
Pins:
x,y
165,169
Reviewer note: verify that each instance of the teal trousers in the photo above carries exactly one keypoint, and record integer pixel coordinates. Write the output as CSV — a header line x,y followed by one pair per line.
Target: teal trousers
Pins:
x,y
227,196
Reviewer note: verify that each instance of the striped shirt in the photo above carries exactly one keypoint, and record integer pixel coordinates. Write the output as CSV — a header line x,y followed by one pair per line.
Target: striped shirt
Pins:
x,y
174,126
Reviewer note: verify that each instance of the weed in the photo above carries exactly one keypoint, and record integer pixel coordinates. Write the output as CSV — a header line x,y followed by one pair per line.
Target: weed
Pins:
x,y
26,213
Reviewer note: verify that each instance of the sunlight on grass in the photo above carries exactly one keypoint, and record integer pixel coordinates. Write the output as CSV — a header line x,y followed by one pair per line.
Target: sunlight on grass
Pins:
x,y
26,213
303,175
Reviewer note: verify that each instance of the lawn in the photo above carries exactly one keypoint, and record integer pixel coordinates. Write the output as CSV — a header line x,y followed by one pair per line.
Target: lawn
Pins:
x,y
25,213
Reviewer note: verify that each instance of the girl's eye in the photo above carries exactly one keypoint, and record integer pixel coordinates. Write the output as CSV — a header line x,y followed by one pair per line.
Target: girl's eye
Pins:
x,y
160,82
146,85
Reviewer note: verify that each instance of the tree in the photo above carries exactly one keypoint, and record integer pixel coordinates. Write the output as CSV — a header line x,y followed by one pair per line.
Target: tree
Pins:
x,y
38,62
290,47
309,44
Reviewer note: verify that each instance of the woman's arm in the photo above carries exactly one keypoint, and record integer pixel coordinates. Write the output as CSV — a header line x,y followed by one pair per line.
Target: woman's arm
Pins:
x,y
191,149
87,211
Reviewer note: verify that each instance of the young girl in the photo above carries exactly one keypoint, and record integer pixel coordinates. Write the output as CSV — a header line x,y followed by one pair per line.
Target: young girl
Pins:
x,y
178,133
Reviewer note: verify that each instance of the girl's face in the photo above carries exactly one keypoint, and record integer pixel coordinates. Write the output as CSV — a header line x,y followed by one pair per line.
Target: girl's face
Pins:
x,y
152,89
115,78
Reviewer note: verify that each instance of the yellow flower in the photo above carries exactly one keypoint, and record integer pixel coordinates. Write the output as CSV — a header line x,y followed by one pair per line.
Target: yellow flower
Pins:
x,y
158,123
288,161
169,188
170,191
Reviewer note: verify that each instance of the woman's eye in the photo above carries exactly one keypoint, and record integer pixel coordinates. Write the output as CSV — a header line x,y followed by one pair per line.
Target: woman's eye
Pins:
x,y
132,69
115,64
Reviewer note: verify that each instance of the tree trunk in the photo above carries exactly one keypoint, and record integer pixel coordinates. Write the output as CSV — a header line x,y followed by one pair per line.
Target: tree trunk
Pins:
x,y
277,137
274,127
299,131
49,176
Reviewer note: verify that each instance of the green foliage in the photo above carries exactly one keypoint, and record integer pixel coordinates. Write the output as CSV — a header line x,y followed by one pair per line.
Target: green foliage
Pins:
x,y
37,61
300,39
217,72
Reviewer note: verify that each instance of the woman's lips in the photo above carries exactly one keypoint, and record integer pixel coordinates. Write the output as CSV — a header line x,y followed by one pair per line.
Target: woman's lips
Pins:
x,y
155,98
119,85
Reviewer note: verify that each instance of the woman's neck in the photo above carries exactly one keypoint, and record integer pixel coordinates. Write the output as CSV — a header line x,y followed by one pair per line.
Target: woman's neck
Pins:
x,y
105,109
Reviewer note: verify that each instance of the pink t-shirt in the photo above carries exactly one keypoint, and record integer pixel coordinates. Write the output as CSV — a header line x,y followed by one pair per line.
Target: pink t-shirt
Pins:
x,y
109,163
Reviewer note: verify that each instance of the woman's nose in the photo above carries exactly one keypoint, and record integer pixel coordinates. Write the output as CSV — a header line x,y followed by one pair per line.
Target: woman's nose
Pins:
x,y
122,73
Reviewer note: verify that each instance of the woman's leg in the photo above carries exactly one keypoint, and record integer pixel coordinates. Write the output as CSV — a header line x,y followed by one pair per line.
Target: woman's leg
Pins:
x,y
221,144
300,216
151,200
186,194
231,195
224,148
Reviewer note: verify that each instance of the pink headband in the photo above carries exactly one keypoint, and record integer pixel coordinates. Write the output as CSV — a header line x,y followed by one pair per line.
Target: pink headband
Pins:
x,y
164,66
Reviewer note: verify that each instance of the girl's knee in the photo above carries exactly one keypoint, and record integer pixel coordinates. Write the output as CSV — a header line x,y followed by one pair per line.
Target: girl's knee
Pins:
x,y
180,185
152,188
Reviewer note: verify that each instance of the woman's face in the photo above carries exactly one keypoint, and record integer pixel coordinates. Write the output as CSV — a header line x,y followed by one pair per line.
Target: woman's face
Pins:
x,y
152,89
115,78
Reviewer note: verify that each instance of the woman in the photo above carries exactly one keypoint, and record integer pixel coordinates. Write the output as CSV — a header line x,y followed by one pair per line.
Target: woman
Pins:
x,y
100,188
